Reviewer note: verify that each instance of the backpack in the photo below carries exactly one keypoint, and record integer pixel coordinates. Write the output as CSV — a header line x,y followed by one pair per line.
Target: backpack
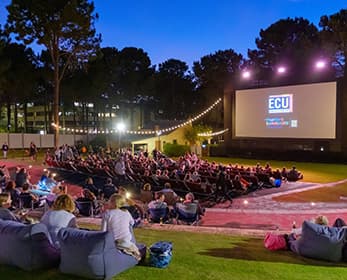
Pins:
x,y
274,241
160,254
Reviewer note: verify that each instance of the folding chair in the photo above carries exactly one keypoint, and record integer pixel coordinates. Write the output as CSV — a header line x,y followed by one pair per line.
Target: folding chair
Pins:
x,y
85,208
187,213
158,215
26,202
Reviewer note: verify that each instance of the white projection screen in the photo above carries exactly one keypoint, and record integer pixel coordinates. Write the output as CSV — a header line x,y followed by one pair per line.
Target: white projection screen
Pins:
x,y
300,111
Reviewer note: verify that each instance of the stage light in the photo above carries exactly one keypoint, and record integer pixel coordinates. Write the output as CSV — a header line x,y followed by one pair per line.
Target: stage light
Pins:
x,y
245,202
127,195
313,204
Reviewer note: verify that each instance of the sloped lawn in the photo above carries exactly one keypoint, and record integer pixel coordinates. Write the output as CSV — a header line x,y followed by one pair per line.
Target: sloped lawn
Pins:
x,y
210,256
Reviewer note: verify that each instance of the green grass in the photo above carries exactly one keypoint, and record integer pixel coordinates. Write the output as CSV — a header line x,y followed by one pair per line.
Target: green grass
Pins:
x,y
206,256
323,194
23,154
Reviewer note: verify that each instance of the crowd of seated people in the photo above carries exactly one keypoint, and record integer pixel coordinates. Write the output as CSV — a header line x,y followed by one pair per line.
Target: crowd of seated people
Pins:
x,y
188,173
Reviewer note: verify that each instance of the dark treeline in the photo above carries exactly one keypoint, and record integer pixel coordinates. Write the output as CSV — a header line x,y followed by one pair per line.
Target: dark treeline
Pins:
x,y
73,68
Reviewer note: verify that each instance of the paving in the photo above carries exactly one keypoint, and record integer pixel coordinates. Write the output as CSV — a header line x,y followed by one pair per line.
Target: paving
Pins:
x,y
253,214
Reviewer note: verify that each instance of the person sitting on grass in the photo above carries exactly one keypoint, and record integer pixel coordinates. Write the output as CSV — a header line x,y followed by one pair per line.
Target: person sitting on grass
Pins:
x,y
14,193
159,202
27,199
5,204
296,232
189,198
134,209
90,186
87,203
118,221
60,216
109,188
294,175
55,192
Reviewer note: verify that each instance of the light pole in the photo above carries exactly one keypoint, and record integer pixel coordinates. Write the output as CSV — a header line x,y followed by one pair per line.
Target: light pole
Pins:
x,y
120,129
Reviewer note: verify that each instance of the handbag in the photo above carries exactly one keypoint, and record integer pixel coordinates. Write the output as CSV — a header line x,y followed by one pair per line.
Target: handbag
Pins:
x,y
274,241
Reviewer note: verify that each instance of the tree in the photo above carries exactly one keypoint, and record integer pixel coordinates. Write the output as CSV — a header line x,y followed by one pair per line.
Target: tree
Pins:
x,y
64,27
191,133
175,89
293,43
213,73
19,78
334,36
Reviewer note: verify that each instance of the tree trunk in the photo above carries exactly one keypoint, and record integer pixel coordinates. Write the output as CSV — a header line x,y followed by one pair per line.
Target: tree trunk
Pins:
x,y
74,115
25,111
8,115
45,112
15,117
56,106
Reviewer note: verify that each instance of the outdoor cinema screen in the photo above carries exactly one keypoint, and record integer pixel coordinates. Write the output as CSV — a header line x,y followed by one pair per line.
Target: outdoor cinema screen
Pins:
x,y
300,111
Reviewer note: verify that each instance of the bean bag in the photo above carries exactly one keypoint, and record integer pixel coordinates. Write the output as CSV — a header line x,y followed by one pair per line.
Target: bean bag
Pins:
x,y
26,246
91,254
321,242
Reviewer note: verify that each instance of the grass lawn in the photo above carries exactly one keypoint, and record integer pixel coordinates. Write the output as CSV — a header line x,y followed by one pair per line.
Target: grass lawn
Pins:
x,y
218,257
324,194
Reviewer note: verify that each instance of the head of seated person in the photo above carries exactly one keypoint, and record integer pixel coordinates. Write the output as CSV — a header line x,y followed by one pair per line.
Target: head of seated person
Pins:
x,y
321,220
58,190
5,200
64,202
25,187
88,195
147,187
189,198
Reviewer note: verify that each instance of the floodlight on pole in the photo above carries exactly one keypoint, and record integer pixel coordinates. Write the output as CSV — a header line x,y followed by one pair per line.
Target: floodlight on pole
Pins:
x,y
120,128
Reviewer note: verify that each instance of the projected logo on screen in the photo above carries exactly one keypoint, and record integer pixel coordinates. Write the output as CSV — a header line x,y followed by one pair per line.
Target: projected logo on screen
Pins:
x,y
282,103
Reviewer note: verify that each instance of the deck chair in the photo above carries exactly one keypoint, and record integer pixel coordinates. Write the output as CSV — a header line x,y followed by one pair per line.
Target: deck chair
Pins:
x,y
157,215
85,208
187,213
26,202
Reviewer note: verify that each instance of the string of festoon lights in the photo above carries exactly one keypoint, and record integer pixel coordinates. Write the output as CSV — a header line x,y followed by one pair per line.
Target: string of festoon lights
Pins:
x,y
211,134
140,132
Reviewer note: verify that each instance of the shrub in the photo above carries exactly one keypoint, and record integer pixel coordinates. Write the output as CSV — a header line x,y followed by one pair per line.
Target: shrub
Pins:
x,y
175,150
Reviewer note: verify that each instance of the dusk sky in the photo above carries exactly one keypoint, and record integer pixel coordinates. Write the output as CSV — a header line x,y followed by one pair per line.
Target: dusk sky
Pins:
x,y
189,29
